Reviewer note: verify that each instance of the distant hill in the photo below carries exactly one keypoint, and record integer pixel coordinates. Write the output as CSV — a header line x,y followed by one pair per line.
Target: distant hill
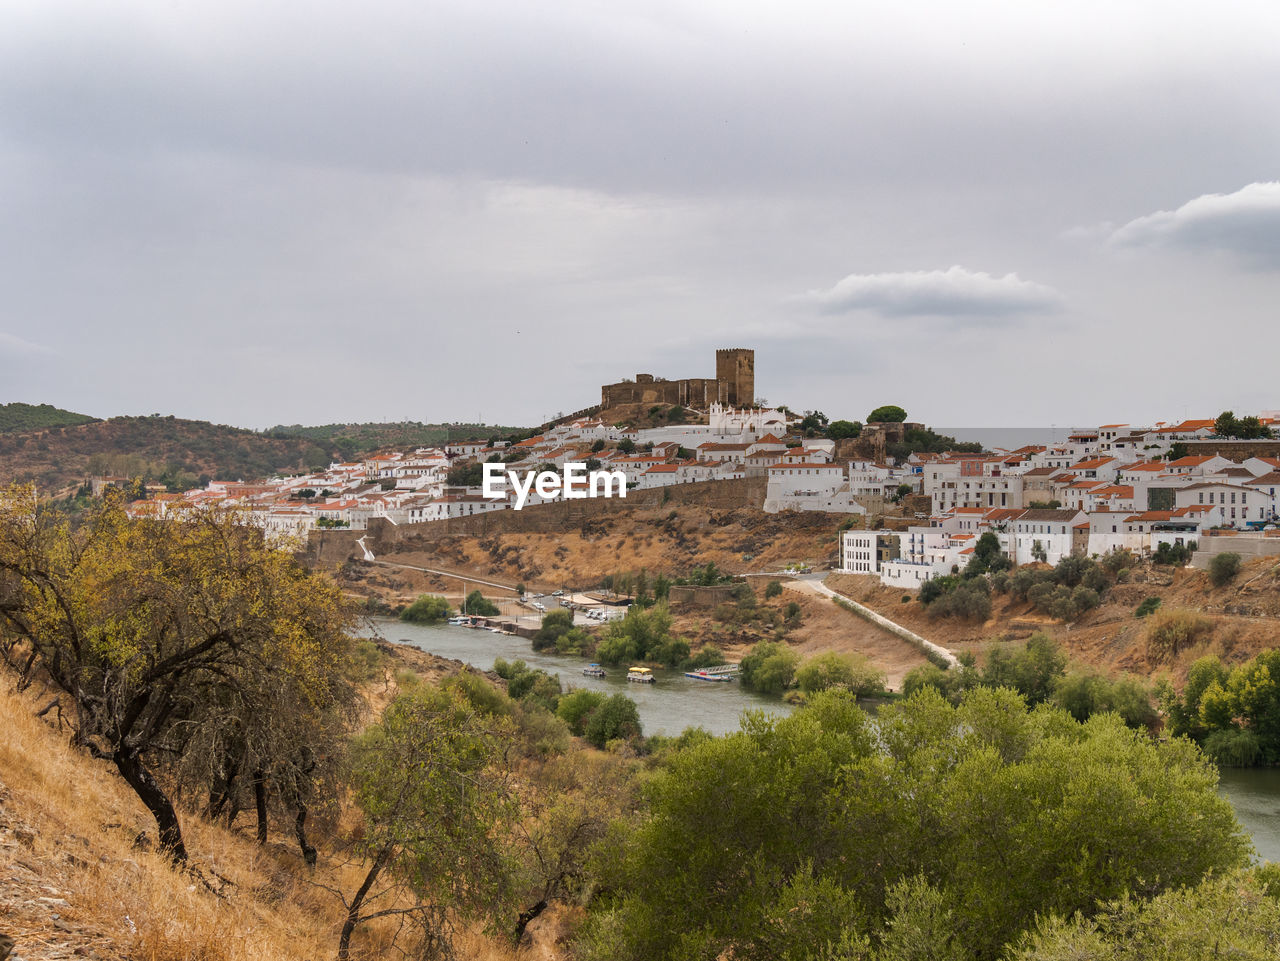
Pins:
x,y
180,453
355,440
16,418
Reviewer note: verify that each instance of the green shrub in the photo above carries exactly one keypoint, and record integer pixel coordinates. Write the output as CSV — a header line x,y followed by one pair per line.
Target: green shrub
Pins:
x,y
555,624
525,683
851,672
427,609
477,603
1233,748
366,662
1113,562
770,668
935,587
1032,670
669,651
482,696
1223,568
615,718
1148,606
1173,554
576,705
576,641
643,635
708,656
967,600
1083,695
543,733
773,589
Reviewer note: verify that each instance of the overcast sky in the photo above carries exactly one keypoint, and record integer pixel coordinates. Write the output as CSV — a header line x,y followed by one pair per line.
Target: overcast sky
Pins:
x,y
989,213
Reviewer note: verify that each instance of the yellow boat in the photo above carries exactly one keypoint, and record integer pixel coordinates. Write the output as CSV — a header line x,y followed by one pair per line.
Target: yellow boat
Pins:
x,y
641,675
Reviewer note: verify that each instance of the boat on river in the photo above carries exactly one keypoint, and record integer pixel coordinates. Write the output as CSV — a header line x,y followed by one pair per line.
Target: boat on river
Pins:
x,y
702,674
641,675
595,670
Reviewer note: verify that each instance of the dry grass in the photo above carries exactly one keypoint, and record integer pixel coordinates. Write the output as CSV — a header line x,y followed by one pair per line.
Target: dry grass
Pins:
x,y
1171,632
67,830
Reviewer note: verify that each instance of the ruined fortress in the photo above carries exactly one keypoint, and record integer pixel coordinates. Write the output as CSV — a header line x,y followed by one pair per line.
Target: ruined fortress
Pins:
x,y
734,385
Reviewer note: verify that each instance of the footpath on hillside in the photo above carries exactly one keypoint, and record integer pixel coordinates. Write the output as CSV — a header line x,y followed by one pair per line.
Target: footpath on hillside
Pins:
x,y
812,584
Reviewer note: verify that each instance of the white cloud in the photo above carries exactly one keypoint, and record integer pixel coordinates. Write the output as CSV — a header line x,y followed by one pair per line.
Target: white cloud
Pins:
x,y
1245,223
955,292
9,344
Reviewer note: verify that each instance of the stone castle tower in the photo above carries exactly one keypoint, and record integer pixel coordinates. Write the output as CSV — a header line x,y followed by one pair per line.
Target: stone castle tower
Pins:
x,y
736,375
734,385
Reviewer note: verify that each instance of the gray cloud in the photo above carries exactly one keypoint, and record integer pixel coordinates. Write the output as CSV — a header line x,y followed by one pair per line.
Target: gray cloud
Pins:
x,y
263,213
1245,223
19,347
954,292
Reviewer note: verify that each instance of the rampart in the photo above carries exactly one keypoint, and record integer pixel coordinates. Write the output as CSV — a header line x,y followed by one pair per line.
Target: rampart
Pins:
x,y
1237,450
734,384
646,389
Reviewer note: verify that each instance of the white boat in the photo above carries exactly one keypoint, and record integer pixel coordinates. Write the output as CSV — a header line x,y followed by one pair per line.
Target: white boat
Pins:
x,y
594,670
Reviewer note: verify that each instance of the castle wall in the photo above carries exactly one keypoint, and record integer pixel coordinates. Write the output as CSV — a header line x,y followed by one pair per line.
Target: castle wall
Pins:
x,y
692,392
734,384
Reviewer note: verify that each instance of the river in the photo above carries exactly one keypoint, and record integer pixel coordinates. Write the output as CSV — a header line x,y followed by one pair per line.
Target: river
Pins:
x,y
667,707
677,702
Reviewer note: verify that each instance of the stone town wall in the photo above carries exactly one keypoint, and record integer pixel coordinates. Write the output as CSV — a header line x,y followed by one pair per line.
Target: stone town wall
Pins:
x,y
1237,450
698,596
697,392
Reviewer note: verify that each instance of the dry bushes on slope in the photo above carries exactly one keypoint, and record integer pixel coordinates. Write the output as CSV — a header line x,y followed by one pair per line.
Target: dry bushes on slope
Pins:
x,y
68,826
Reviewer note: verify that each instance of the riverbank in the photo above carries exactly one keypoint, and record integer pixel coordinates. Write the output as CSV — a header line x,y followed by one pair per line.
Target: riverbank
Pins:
x,y
676,702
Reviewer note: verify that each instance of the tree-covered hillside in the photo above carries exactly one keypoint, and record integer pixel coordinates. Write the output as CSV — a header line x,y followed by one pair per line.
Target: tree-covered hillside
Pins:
x,y
17,417
167,450
354,440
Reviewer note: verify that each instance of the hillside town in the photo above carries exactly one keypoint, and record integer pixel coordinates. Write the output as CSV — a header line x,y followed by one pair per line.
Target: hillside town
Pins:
x,y
413,487
1114,487
905,519
1118,487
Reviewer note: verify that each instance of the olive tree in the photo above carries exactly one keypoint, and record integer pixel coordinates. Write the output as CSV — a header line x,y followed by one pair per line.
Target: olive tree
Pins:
x,y
183,645
431,780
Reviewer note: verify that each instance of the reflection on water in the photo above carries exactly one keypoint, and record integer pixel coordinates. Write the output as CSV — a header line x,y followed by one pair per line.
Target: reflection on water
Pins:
x,y
667,707
1255,794
677,702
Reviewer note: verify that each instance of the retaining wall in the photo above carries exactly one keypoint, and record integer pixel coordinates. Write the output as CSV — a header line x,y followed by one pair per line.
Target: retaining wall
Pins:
x,y
1263,544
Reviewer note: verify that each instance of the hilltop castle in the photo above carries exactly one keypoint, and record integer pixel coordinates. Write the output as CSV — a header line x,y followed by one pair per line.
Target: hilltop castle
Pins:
x,y
734,385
